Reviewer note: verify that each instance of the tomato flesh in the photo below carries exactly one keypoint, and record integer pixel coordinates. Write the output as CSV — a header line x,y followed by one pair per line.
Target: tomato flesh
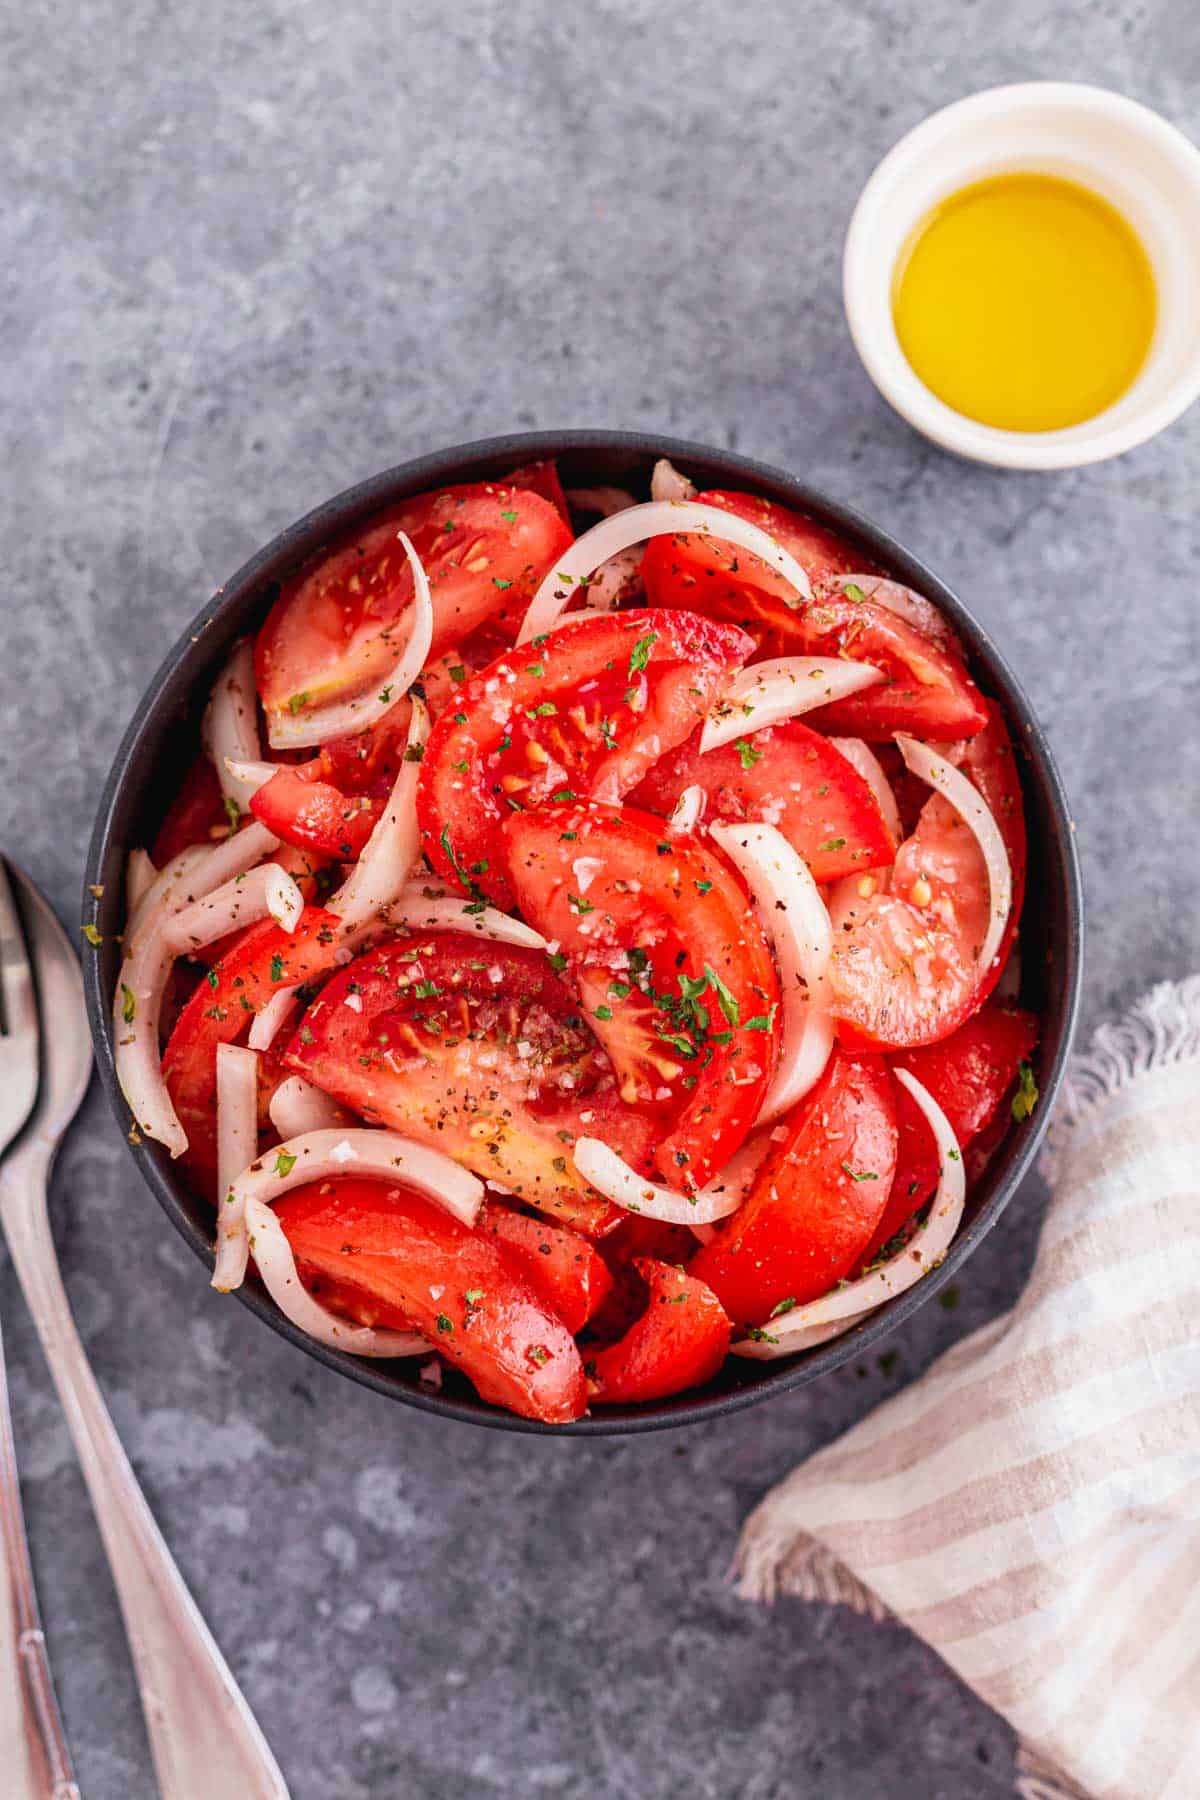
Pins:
x,y
452,1284
263,959
815,1203
541,478
904,974
789,777
679,1342
926,689
337,628
196,815
673,970
583,712
477,1049
968,1075
564,1269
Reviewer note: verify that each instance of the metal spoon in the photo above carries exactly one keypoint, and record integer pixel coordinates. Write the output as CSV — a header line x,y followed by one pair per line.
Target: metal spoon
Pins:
x,y
203,1737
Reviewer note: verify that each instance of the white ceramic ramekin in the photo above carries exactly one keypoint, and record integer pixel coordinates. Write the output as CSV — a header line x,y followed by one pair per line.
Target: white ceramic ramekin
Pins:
x,y
1144,166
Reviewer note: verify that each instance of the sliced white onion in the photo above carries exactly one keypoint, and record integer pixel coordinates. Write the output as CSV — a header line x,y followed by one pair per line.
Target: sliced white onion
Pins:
x,y
793,914
237,1147
782,688
137,1005
362,1150
260,893
304,729
277,1266
298,1107
612,1176
656,518
689,809
140,876
270,1019
862,758
245,778
666,483
969,804
427,907
162,937
229,730
845,1305
603,500
613,579
905,602
194,872
388,857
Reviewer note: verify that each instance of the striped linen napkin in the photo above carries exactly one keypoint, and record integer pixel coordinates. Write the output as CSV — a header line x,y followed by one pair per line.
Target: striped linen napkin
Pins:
x,y
1031,1506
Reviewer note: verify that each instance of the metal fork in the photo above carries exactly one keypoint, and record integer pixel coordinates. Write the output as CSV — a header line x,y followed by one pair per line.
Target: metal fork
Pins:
x,y
30,1724
203,1737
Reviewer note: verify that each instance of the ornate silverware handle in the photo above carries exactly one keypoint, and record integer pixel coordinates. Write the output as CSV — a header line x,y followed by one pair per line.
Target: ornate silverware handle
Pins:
x,y
203,1736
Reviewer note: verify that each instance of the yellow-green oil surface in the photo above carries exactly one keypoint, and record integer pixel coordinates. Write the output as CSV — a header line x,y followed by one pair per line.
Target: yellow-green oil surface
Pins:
x,y
1025,301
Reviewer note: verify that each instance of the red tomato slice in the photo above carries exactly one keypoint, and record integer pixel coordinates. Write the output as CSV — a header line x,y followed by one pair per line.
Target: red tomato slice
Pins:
x,y
567,1272
907,974
333,630
968,1075
926,690
315,815
790,777
195,816
815,1202
673,969
263,959
582,711
679,1342
478,1049
541,478
455,1285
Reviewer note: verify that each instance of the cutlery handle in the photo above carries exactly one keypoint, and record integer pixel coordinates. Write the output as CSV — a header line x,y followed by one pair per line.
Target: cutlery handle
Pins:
x,y
39,1761
203,1737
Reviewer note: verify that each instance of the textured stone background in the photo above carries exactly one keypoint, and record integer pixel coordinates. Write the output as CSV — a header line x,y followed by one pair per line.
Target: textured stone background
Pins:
x,y
250,255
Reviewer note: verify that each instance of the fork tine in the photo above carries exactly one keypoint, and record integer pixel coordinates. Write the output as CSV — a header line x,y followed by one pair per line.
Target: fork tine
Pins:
x,y
18,1008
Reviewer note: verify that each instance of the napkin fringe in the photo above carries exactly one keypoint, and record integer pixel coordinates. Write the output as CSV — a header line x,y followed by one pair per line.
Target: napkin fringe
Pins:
x,y
1038,1778
798,1566
1161,1030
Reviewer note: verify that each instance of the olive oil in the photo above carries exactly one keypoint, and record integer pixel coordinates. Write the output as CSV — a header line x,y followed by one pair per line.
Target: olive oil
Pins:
x,y
1025,301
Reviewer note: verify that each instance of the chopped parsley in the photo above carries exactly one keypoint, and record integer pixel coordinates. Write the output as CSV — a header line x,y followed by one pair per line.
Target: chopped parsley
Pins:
x,y
834,844
129,1004
93,936
298,701
639,656
277,967
1026,1096
747,754
284,1163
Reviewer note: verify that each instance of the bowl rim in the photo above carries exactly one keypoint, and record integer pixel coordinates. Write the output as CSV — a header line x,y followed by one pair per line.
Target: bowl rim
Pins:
x,y
168,690
1091,440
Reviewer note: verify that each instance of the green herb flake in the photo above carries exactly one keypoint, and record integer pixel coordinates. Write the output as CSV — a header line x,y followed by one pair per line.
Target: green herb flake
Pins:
x,y
284,1163
852,591
604,1013
747,754
866,1175
639,656
298,702
834,844
499,581
93,936
579,905
444,1322
129,1004
1026,1096
414,753
277,967
233,812
784,1306
510,518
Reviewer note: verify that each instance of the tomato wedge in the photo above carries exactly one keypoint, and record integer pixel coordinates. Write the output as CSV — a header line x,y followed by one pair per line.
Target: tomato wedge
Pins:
x,y
582,711
672,967
926,690
331,803
263,959
905,973
541,478
478,1049
566,1271
336,628
454,1285
968,1075
789,777
679,1342
195,816
815,1202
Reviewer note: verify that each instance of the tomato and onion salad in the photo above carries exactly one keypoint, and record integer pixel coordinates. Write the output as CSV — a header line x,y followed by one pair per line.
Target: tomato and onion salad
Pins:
x,y
638,1012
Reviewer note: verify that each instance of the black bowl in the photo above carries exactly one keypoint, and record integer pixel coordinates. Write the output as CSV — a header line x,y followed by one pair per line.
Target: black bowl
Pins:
x,y
163,733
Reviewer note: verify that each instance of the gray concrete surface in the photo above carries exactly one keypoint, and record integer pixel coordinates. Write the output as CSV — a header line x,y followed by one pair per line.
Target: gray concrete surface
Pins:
x,y
251,254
